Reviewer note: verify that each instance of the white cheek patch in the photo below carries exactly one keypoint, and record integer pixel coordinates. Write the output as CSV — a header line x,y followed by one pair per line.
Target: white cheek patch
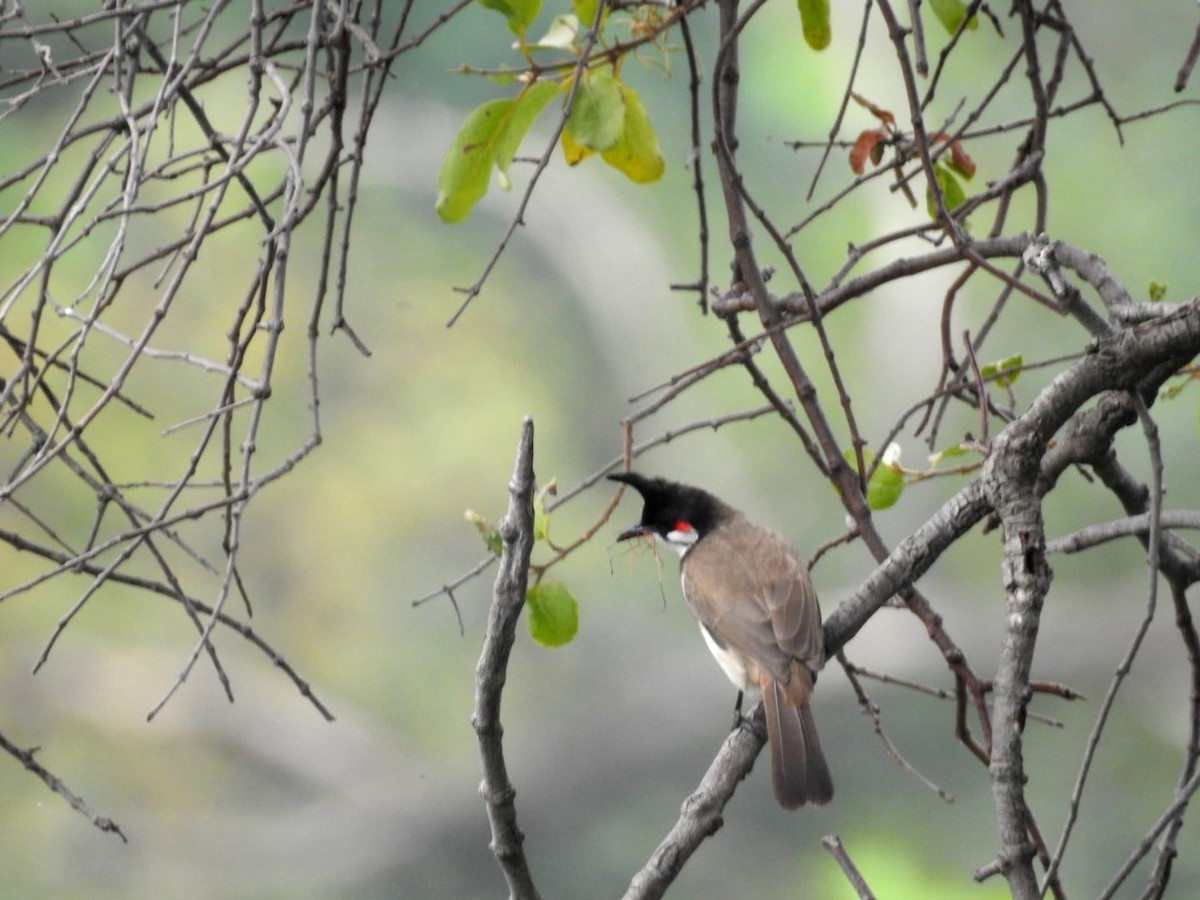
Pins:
x,y
680,539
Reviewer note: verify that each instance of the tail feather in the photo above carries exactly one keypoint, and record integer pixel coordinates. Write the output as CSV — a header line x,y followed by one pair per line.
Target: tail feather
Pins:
x,y
799,772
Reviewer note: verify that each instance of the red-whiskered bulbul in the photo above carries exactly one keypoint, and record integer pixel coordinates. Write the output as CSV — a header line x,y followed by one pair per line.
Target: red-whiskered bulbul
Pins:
x,y
758,613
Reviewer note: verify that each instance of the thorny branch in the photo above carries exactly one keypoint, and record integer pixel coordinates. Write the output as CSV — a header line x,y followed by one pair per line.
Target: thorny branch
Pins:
x,y
1131,349
136,151
147,187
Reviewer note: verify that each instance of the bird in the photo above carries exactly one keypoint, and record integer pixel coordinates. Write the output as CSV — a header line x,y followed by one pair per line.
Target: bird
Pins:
x,y
758,613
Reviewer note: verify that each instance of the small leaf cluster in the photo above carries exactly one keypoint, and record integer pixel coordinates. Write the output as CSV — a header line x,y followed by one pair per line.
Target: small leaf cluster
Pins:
x,y
889,478
577,62
552,612
950,168
607,116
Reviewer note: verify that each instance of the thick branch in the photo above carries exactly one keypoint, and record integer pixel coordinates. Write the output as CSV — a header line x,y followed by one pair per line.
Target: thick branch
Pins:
x,y
508,598
905,564
700,817
1009,478
1011,484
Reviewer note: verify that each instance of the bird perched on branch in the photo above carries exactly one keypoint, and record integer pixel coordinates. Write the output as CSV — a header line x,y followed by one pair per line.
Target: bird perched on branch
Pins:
x,y
758,613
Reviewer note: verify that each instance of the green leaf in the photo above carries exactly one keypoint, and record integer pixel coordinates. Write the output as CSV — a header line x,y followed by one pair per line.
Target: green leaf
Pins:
x,y
886,484
489,532
1158,290
950,13
553,613
489,137
1010,367
953,194
598,113
887,481
885,487
519,13
636,152
814,20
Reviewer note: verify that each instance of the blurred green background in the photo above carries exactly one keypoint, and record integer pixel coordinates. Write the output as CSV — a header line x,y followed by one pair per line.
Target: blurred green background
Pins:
x,y
605,737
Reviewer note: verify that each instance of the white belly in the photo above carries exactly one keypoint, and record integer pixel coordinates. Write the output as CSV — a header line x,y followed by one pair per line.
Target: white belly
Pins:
x,y
730,664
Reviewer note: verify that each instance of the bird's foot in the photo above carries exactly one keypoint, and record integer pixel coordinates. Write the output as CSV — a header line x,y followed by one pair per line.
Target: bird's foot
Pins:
x,y
740,720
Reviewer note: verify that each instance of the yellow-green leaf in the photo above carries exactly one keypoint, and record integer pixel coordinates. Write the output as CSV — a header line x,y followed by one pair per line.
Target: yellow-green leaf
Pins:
x,y
553,614
950,13
636,151
573,153
541,518
526,108
1157,291
1005,371
519,13
814,20
489,137
598,113
467,168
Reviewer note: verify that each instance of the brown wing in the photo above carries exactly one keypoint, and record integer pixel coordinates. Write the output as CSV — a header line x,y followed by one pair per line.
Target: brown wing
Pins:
x,y
775,618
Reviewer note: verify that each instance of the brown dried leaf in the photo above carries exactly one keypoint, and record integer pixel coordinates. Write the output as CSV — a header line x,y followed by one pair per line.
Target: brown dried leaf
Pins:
x,y
877,111
867,146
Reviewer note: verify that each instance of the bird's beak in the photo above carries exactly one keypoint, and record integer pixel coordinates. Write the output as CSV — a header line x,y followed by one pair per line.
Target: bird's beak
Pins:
x,y
633,531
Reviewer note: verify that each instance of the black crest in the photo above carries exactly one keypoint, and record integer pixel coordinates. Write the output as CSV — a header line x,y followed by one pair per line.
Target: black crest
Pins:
x,y
667,503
